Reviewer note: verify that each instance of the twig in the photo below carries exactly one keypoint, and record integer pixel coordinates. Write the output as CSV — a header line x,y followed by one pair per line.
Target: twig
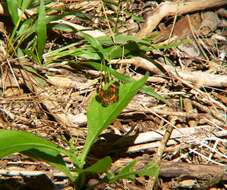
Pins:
x,y
28,173
161,150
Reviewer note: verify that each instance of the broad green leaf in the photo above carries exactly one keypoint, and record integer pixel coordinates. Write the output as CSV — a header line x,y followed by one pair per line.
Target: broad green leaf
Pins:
x,y
120,39
99,117
25,4
95,44
19,3
87,53
115,51
100,166
126,172
105,40
151,169
129,168
119,51
63,28
13,10
41,29
12,141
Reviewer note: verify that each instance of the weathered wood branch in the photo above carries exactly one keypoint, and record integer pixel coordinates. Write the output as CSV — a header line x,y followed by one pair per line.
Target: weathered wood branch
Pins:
x,y
197,78
199,176
175,8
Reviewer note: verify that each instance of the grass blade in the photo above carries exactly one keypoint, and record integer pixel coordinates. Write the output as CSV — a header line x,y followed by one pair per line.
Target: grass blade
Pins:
x,y
41,29
13,10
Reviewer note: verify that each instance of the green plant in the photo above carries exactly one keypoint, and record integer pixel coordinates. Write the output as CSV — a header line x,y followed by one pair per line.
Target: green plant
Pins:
x,y
99,117
29,35
31,19
33,33
104,49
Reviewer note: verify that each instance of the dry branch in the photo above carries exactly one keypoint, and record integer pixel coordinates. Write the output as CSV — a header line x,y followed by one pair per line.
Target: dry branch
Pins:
x,y
197,78
161,149
204,176
175,8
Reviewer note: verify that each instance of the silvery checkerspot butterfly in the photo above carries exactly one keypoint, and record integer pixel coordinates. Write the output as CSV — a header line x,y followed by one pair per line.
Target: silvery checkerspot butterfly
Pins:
x,y
108,96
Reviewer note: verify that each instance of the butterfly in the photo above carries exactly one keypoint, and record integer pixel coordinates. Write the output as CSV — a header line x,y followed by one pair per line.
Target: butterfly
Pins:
x,y
108,96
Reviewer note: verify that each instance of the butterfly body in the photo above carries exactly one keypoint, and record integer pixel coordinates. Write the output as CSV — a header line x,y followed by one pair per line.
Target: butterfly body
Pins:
x,y
108,96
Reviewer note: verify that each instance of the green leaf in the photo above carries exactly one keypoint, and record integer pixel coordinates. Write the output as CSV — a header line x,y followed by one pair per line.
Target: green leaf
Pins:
x,y
26,28
150,91
115,51
100,166
55,161
99,117
96,45
126,172
151,169
25,4
13,10
123,50
137,18
36,77
120,39
87,53
63,28
41,29
127,169
12,141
